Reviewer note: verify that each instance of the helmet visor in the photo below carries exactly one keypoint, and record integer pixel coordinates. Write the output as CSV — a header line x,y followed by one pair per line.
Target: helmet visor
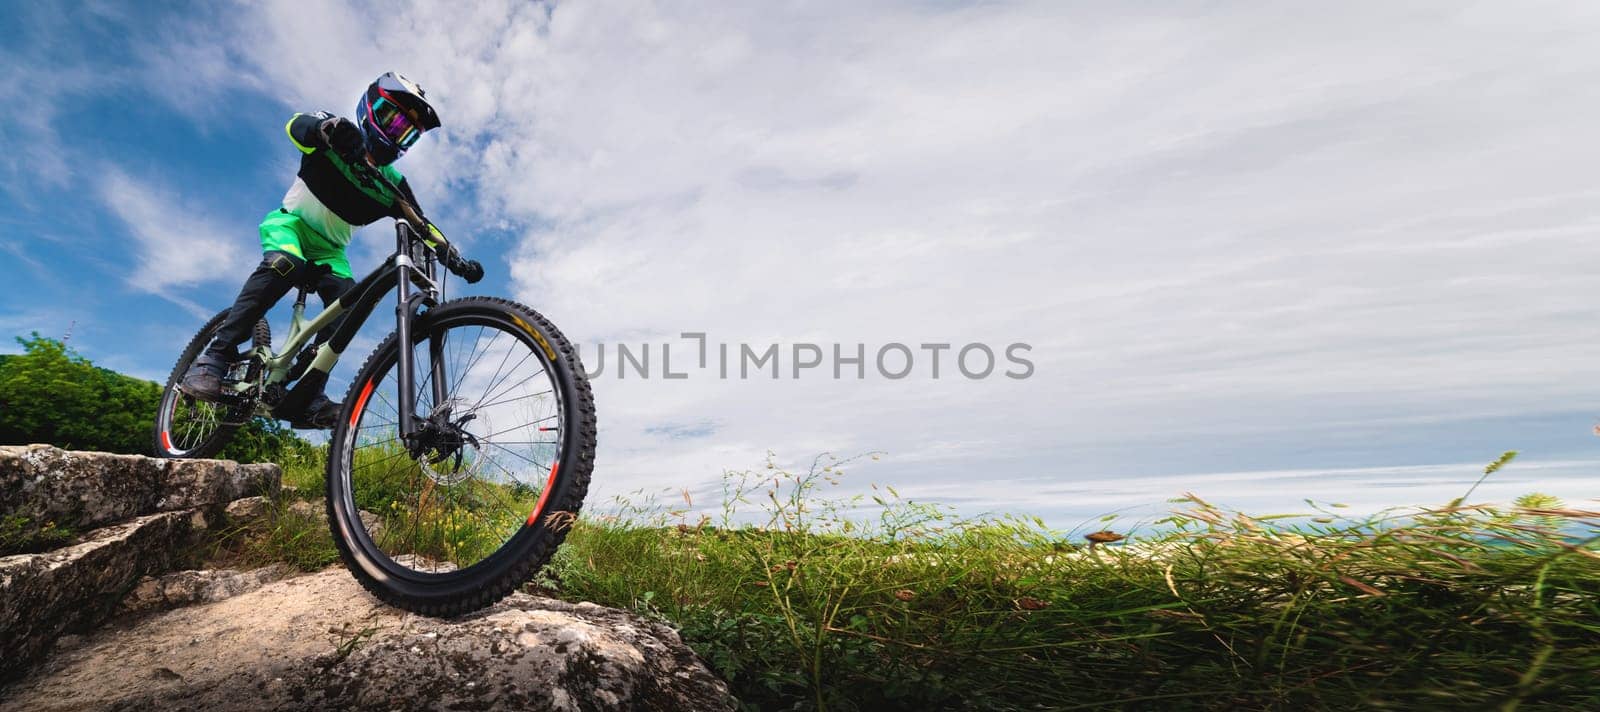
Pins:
x,y
395,125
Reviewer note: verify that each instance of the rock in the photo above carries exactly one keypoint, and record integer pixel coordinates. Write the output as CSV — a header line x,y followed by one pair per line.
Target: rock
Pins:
x,y
310,510
247,511
76,587
184,588
317,510
148,595
84,490
371,522
321,642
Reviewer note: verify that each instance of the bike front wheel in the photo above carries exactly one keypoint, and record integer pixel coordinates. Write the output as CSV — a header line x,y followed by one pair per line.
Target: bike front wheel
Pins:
x,y
457,516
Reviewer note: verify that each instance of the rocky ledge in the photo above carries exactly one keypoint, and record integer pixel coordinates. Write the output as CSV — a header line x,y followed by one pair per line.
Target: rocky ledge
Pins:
x,y
125,517
320,642
83,490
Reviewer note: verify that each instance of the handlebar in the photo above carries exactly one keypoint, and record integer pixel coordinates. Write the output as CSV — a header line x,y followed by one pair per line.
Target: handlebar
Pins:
x,y
449,256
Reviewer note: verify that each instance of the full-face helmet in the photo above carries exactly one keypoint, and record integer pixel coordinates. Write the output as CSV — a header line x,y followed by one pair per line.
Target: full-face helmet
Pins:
x,y
393,114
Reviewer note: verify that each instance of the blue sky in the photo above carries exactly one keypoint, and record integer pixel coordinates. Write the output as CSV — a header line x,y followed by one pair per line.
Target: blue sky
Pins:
x,y
1239,238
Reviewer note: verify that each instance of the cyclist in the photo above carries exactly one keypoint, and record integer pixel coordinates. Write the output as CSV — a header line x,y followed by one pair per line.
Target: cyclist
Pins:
x,y
304,240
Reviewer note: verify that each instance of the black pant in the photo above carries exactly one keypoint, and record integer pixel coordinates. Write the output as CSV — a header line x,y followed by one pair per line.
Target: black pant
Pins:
x,y
274,277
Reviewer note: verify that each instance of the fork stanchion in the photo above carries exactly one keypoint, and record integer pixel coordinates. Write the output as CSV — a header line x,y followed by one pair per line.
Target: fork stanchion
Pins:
x,y
403,332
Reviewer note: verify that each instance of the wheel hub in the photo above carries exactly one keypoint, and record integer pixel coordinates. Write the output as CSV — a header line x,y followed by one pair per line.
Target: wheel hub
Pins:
x,y
442,444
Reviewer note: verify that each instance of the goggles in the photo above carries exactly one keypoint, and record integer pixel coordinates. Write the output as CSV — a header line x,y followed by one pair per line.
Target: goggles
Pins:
x,y
394,123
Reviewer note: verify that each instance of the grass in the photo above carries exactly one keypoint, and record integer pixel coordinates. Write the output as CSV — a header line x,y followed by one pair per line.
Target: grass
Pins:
x,y
288,534
460,523
463,522
305,473
22,535
1460,606
802,600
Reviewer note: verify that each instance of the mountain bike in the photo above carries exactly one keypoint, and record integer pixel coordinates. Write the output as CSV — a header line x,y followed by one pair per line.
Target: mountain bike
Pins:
x,y
466,440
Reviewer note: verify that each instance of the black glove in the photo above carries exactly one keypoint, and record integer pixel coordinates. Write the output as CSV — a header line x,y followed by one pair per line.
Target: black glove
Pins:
x,y
343,137
470,270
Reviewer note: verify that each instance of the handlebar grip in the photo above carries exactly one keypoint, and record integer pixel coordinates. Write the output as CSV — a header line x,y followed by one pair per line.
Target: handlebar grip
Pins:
x,y
469,270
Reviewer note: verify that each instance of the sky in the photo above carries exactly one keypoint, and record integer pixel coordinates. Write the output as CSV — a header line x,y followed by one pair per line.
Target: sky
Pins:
x,y
1257,250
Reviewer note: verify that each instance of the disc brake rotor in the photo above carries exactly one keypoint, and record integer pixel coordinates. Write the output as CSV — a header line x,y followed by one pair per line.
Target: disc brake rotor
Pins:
x,y
443,448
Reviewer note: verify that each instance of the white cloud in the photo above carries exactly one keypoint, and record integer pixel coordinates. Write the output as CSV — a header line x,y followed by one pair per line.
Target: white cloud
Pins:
x,y
37,156
178,245
1209,223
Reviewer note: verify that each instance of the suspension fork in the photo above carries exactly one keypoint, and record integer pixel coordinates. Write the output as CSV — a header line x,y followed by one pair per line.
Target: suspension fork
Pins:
x,y
405,308
402,328
436,355
441,390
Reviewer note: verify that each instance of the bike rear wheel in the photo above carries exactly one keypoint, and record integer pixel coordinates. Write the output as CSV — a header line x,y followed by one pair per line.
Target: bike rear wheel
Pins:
x,y
468,509
189,427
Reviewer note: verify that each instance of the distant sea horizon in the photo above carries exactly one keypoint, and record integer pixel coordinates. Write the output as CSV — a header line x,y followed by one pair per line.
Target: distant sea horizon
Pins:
x,y
1141,501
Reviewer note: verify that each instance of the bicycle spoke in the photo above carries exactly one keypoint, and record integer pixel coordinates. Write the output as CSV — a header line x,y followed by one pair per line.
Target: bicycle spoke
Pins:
x,y
451,514
494,383
511,503
510,474
468,367
519,455
188,423
512,400
497,369
541,371
383,461
518,426
385,399
457,376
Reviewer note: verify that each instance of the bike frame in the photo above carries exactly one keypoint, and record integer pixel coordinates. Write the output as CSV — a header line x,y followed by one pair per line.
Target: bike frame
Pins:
x,y
401,273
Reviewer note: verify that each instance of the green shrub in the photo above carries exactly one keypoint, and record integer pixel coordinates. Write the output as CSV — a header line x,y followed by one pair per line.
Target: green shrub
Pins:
x,y
50,394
